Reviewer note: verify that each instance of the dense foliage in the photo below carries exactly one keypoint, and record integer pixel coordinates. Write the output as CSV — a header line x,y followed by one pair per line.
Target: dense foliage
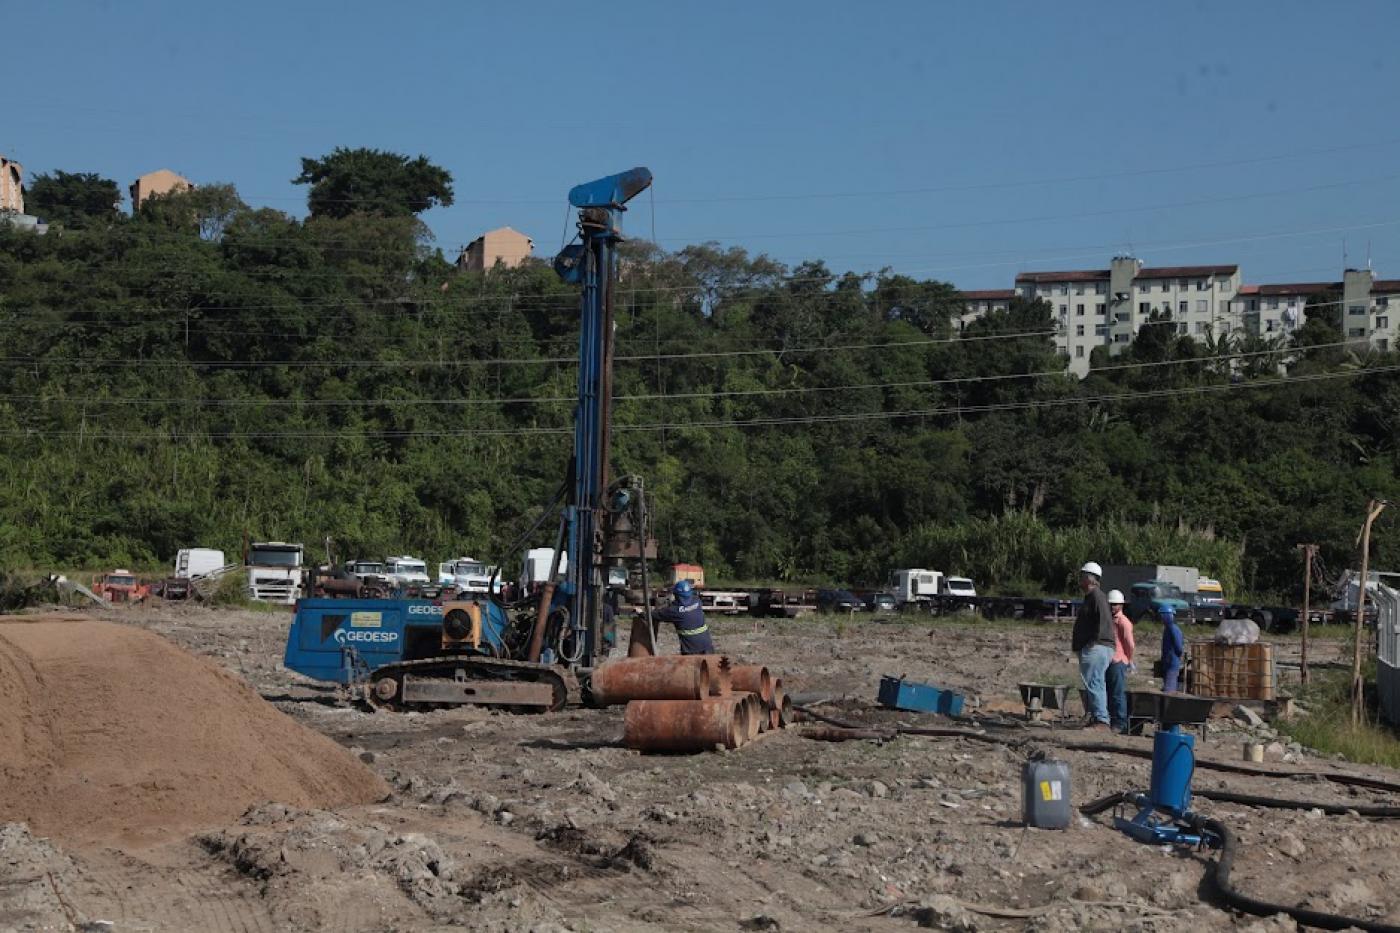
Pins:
x,y
207,370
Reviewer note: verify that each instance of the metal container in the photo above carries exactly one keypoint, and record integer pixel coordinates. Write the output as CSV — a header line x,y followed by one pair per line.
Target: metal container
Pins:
x,y
1045,794
898,693
1173,763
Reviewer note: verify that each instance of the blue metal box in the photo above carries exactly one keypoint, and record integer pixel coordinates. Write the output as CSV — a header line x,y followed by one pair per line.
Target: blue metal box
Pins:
x,y
898,693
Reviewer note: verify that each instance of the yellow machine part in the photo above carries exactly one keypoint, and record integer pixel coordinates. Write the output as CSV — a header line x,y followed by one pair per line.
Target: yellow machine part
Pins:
x,y
473,612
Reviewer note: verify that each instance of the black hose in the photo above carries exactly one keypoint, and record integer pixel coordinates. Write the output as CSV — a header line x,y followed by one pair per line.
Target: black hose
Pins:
x,y
1280,803
1252,905
1095,807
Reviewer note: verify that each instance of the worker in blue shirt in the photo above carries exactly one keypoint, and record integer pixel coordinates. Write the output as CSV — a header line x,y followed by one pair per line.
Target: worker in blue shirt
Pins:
x,y
688,616
1173,649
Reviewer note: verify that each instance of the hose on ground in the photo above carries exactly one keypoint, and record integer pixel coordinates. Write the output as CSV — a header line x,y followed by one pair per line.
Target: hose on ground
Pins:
x,y
868,732
1229,848
1281,803
1237,899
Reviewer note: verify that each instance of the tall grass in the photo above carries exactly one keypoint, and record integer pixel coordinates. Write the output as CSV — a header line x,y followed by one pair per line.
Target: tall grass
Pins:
x,y
1011,551
1327,726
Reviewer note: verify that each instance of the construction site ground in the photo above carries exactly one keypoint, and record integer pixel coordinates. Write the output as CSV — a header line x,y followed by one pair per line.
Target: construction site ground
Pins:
x,y
492,821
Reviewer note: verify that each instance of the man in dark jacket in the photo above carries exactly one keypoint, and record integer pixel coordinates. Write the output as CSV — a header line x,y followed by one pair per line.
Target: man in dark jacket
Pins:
x,y
688,616
1093,641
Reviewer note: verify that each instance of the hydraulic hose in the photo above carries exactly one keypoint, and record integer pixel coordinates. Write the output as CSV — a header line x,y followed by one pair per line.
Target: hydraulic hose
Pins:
x,y
1237,899
1229,848
1280,803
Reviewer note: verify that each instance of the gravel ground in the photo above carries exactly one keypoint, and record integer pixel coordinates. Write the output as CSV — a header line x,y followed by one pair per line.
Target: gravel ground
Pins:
x,y
502,822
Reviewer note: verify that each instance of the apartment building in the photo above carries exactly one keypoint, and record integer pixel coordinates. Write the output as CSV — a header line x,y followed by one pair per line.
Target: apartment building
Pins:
x,y
1106,307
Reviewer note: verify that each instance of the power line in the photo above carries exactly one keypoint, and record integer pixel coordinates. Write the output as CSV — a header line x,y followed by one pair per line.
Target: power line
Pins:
x,y
1211,360
755,422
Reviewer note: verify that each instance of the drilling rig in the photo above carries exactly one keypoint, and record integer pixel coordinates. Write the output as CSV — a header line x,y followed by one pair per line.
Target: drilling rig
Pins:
x,y
537,653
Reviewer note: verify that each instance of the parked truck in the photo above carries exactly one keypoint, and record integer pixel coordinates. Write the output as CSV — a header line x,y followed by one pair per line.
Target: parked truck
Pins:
x,y
275,572
534,573
468,575
915,587
1125,576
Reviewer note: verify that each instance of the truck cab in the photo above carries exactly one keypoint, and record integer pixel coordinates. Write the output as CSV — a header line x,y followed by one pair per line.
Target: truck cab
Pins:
x,y
408,574
1147,600
274,571
468,575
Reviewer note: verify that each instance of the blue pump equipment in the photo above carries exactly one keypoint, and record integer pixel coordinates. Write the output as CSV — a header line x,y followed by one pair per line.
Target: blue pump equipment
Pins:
x,y
1164,816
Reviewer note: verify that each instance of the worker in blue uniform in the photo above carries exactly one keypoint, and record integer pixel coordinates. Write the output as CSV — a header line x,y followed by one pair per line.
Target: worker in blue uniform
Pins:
x,y
1173,649
688,616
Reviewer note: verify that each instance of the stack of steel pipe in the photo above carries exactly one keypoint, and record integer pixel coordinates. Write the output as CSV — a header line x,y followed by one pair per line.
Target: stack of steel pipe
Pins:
x,y
691,702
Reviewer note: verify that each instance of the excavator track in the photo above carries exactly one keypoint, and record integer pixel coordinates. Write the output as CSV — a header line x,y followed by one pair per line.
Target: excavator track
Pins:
x,y
469,680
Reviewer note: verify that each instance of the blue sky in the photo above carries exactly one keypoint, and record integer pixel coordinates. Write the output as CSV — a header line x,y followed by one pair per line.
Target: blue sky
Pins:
x,y
963,141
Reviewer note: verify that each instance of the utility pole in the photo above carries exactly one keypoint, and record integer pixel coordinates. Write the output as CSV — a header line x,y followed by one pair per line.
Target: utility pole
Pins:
x,y
1309,552
1358,688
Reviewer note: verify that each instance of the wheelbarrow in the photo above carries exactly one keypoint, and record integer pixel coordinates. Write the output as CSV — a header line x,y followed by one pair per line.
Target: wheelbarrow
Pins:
x,y
1037,698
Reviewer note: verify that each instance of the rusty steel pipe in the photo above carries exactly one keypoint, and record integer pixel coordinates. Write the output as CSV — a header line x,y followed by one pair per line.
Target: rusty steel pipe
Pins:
x,y
756,716
785,711
649,679
752,678
685,725
720,681
639,642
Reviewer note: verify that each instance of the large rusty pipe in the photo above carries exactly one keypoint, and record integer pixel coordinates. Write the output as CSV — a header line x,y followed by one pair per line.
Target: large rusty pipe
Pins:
x,y
786,711
749,708
685,725
649,679
752,678
721,681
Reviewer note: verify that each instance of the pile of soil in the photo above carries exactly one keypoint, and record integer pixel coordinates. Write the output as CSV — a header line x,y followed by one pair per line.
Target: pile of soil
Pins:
x,y
114,736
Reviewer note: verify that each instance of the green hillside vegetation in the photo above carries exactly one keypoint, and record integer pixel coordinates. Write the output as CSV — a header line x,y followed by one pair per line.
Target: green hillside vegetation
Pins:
x,y
207,369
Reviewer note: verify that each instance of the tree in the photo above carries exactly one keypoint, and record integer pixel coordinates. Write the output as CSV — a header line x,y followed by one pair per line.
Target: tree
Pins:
x,y
75,200
368,181
208,209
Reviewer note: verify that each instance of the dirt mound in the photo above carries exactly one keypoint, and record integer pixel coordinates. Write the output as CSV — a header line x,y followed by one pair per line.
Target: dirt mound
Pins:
x,y
112,735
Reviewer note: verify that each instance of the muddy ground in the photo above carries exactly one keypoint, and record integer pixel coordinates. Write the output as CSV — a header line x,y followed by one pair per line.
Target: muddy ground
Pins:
x,y
501,822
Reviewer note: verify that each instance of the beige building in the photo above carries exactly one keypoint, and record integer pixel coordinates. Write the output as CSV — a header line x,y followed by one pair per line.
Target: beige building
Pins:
x,y
161,181
1105,307
11,186
503,245
1366,309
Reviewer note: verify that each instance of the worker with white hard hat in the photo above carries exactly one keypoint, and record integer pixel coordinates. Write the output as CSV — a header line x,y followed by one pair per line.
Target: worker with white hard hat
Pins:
x,y
1093,641
1122,664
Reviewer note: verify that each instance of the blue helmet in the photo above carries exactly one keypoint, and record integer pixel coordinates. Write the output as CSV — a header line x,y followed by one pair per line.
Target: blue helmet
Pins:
x,y
683,589
1167,612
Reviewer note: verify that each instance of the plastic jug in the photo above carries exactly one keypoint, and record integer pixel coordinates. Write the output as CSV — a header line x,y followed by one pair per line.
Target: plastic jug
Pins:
x,y
1045,797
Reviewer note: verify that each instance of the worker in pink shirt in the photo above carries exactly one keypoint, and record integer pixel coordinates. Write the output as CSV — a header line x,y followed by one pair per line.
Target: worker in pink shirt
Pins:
x,y
1121,665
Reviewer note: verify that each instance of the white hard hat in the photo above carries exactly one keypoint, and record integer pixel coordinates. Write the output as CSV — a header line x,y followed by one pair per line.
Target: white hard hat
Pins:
x,y
1093,568
1115,597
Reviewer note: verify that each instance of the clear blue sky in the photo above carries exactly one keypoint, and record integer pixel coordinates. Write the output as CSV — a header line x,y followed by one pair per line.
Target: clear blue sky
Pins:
x,y
948,120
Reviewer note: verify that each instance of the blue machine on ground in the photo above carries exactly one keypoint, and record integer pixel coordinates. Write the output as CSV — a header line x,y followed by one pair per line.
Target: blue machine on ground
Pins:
x,y
1164,816
406,652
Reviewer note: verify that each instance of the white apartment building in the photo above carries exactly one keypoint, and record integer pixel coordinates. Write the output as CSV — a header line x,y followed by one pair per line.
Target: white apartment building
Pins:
x,y
1106,307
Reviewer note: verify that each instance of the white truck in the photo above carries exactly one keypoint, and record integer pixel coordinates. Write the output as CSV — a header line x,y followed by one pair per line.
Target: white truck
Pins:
x,y
469,575
405,572
275,573
915,585
535,571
